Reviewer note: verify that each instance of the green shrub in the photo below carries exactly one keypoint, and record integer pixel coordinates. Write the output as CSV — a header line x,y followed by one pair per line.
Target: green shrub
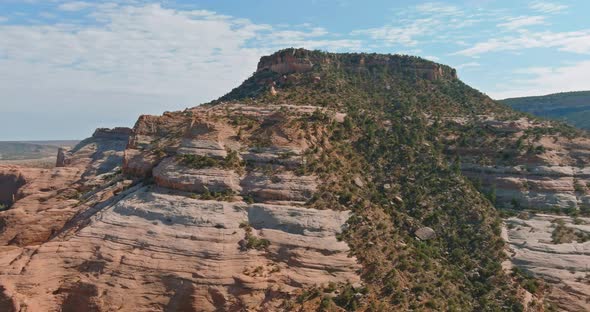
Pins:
x,y
253,242
231,162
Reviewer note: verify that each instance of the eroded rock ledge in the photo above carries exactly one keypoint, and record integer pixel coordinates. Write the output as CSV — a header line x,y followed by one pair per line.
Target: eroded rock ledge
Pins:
x,y
164,244
535,246
185,250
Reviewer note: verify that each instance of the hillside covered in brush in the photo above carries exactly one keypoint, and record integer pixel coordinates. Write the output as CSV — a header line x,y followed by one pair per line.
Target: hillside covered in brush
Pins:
x,y
325,182
571,107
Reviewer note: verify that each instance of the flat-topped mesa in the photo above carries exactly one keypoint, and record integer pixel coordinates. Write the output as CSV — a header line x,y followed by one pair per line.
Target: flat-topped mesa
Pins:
x,y
300,61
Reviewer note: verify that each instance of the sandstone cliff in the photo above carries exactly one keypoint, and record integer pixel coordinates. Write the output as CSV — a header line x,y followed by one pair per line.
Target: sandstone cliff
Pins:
x,y
300,61
190,237
322,182
45,199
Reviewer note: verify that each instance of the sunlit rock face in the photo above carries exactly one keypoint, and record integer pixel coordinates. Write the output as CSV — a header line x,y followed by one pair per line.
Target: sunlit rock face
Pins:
x,y
301,61
212,208
184,226
45,199
521,163
553,247
158,249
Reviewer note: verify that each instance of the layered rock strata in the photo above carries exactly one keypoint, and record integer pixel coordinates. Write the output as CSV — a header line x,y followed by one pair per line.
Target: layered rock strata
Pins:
x,y
539,245
159,251
219,222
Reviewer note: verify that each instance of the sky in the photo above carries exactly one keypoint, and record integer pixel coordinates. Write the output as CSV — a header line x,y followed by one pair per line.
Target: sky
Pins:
x,y
68,67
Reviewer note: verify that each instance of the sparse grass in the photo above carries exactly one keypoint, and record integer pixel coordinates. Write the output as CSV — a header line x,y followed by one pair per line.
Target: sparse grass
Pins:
x,y
226,195
529,282
563,234
459,270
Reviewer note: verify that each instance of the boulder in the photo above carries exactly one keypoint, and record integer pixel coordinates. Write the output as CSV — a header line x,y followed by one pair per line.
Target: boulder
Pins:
x,y
425,233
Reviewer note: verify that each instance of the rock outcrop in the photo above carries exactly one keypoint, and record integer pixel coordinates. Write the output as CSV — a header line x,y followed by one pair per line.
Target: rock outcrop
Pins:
x,y
524,164
187,252
45,199
291,61
285,63
11,180
425,233
535,246
527,163
119,133
172,174
223,227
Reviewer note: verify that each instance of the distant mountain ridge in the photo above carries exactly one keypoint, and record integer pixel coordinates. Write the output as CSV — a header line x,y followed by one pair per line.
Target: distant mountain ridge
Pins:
x,y
571,107
32,153
19,150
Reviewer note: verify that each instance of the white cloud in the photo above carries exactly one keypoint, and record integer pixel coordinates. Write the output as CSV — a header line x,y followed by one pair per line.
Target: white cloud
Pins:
x,y
546,80
575,42
424,23
513,23
438,8
74,6
403,35
47,15
132,59
547,7
467,65
3,19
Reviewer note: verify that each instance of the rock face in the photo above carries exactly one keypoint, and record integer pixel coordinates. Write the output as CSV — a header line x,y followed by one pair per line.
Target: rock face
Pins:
x,y
45,199
119,133
536,186
285,63
38,209
564,265
279,187
10,182
170,173
184,250
527,163
300,61
63,157
538,166
223,227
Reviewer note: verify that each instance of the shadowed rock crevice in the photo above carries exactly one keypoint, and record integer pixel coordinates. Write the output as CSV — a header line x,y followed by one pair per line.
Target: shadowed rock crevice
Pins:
x,y
7,303
80,297
10,183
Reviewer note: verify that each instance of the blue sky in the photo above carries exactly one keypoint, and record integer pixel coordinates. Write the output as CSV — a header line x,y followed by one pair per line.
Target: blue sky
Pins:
x,y
67,67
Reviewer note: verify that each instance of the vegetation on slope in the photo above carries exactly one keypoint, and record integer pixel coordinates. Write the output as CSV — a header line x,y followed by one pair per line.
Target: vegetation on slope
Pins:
x,y
571,107
386,163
